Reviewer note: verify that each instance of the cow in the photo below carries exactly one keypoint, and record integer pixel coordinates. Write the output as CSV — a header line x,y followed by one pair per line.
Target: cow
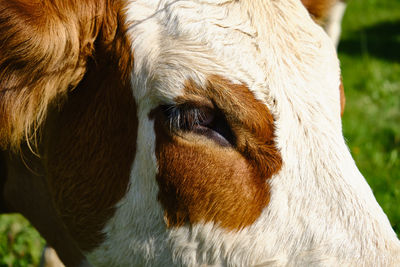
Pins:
x,y
181,132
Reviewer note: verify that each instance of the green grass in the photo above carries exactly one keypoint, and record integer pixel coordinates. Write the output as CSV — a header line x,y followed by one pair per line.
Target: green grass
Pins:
x,y
370,58
20,244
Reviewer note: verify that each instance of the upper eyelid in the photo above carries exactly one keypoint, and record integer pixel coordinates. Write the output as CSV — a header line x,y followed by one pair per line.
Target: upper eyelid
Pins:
x,y
195,101
183,116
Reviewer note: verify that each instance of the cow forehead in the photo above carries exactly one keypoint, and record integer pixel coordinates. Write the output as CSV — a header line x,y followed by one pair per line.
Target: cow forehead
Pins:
x,y
271,46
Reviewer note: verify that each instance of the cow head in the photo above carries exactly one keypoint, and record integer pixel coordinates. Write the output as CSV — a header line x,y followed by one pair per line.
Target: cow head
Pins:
x,y
240,157
227,147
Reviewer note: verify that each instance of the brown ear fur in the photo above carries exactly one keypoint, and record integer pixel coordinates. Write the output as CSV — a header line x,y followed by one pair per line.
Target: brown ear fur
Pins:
x,y
87,144
43,50
318,9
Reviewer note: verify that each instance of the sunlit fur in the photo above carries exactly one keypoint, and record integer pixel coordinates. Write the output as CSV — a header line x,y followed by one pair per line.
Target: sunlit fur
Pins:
x,y
322,212
333,26
33,72
328,14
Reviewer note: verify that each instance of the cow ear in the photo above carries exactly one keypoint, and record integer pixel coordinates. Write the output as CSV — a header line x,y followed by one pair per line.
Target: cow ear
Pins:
x,y
43,52
318,9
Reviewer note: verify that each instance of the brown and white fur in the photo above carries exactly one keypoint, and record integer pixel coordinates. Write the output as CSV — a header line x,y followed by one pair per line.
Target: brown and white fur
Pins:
x,y
328,14
187,133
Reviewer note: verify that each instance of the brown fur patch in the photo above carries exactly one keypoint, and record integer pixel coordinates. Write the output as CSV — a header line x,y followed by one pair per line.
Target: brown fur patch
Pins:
x,y
87,141
44,46
202,181
90,145
319,9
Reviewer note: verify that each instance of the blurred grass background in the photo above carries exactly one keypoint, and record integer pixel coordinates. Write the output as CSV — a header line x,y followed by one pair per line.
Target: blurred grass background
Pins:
x,y
369,52
20,243
370,57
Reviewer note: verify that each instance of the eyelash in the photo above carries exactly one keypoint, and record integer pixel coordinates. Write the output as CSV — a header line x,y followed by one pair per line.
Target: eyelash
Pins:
x,y
209,122
185,117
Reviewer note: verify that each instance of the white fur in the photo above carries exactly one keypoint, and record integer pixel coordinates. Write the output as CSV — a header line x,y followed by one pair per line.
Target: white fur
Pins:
x,y
321,212
333,26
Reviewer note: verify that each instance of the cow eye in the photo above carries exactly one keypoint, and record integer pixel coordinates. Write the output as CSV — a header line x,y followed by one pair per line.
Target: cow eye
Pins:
x,y
202,120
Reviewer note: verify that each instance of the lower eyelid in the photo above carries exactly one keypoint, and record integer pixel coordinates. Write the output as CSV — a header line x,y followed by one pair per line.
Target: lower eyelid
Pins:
x,y
211,134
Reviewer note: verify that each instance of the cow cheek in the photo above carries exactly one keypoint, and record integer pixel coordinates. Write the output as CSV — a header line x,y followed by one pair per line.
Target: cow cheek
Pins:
x,y
202,182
